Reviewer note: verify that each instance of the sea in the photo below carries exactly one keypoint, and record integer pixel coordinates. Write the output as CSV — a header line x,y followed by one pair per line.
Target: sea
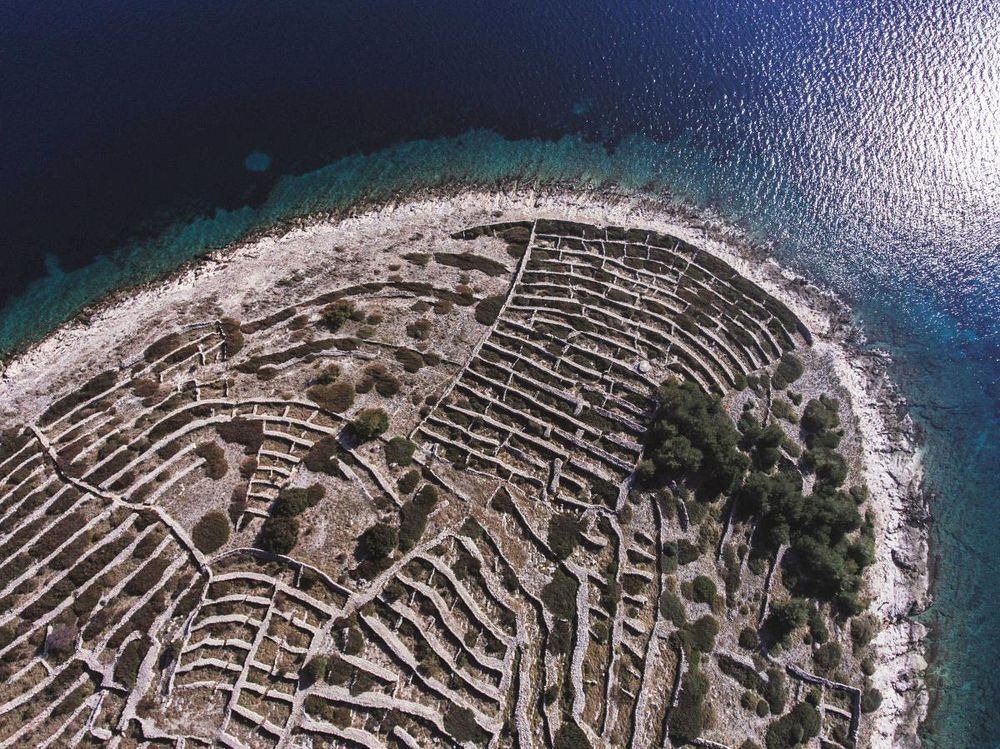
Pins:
x,y
859,140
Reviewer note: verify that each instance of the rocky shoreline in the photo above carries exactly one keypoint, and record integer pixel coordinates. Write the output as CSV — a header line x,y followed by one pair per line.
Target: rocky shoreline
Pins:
x,y
898,581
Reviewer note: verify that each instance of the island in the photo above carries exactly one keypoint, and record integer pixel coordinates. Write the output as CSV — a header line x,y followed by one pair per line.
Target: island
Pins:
x,y
490,468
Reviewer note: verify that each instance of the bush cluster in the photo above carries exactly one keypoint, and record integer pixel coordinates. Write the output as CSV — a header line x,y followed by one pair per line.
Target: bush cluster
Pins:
x,y
827,657
763,443
369,424
278,534
211,532
215,459
399,451
408,481
335,315
336,397
420,329
294,501
321,457
377,542
564,534
825,561
249,434
687,719
231,335
467,261
413,516
797,727
411,360
559,595
784,618
377,376
789,369
694,439
488,309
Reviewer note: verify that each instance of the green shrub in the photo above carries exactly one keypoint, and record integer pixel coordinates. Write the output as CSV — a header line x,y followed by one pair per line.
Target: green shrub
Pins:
x,y
370,423
377,542
278,535
817,627
793,729
215,459
488,309
783,410
704,589
827,657
828,465
871,699
700,634
785,618
672,608
863,630
211,532
249,434
819,416
337,397
687,720
559,595
789,369
335,315
399,451
564,534
749,638
408,481
774,691
687,552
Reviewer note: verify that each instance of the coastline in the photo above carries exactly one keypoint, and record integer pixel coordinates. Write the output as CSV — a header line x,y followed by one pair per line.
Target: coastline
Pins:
x,y
899,579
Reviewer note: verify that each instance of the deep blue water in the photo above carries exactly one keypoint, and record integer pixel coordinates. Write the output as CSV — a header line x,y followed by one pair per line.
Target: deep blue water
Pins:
x,y
863,141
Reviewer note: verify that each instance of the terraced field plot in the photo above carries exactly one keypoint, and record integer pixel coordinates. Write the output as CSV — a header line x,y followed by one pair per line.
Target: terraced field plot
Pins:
x,y
451,502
